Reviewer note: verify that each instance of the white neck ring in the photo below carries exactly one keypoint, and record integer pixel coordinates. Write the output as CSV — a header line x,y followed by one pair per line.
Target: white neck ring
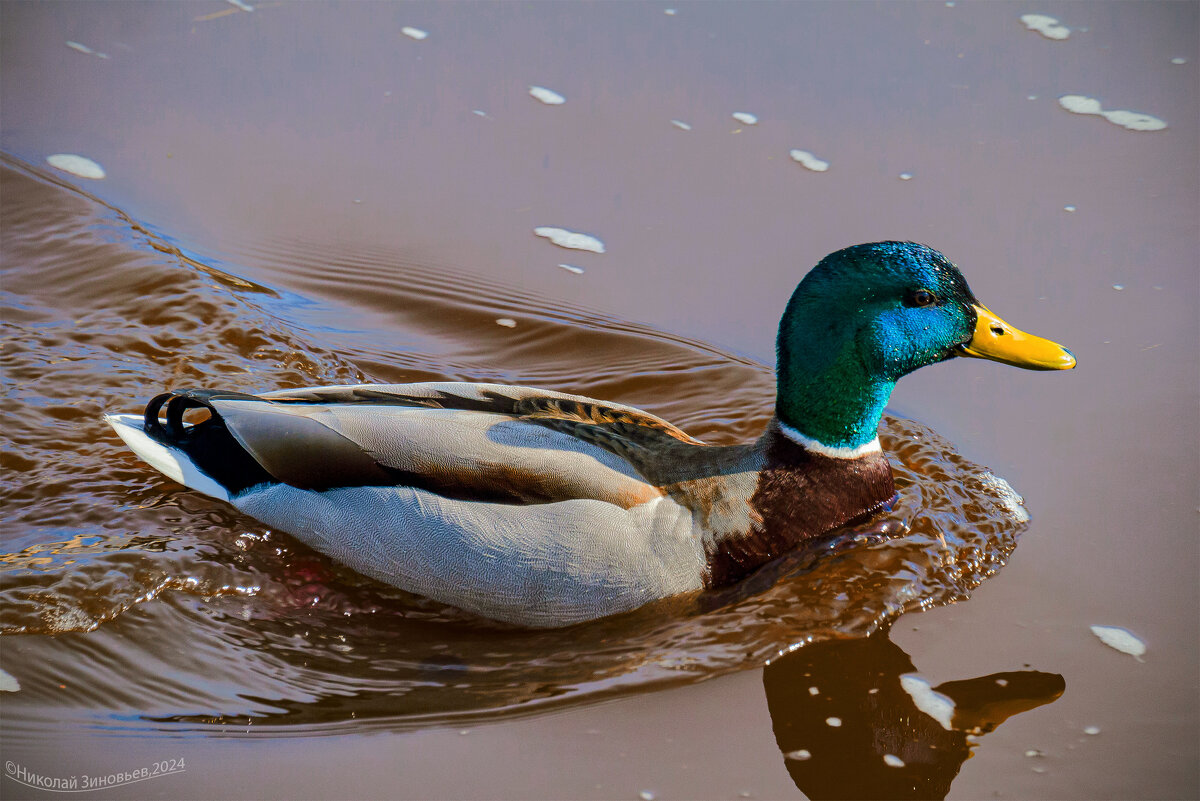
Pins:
x,y
810,444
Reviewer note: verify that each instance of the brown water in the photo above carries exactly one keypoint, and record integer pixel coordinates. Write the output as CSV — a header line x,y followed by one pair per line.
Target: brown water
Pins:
x,y
302,195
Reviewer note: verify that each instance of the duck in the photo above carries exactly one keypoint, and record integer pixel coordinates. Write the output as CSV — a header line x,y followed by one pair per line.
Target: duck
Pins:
x,y
543,509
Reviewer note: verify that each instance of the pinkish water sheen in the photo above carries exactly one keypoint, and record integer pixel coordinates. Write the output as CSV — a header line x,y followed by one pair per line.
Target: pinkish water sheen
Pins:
x,y
303,194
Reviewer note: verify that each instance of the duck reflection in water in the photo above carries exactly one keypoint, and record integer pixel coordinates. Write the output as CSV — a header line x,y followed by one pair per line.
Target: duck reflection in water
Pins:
x,y
848,728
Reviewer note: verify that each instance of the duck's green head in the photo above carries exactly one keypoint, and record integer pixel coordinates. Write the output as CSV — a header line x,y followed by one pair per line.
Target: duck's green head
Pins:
x,y
869,314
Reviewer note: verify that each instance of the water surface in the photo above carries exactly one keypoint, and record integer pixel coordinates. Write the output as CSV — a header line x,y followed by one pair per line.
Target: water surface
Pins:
x,y
304,194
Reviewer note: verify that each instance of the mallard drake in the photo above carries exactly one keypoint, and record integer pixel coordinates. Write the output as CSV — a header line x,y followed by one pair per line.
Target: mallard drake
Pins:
x,y
545,509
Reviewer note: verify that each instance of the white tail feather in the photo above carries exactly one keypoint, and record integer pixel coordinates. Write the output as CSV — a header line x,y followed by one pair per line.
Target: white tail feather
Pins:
x,y
171,462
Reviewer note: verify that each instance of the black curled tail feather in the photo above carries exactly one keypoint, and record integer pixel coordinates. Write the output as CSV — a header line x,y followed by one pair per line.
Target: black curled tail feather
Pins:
x,y
209,444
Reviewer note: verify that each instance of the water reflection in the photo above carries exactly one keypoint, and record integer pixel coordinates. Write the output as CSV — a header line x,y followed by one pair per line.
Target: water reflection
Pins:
x,y
883,745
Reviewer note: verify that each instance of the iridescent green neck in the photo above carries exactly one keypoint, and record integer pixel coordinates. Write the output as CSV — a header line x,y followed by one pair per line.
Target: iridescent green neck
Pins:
x,y
833,401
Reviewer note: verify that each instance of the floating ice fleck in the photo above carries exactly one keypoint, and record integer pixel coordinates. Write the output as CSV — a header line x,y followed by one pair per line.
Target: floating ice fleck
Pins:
x,y
808,160
1131,120
813,691
835,722
950,3
239,4
478,113
1046,26
1092,730
82,48
414,33
1179,61
800,754
8,682
1079,104
570,239
1068,208
507,322
1002,682
906,176
1134,120
932,703
646,795
893,761
1031,97
670,12
76,165
681,125
571,268
547,96
1117,287
1115,636
745,118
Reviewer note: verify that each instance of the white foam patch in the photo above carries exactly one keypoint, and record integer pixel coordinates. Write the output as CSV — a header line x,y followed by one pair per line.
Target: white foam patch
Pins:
x,y
8,682
932,703
172,463
1120,639
414,33
807,159
76,165
1130,120
570,239
745,118
1046,26
681,125
547,96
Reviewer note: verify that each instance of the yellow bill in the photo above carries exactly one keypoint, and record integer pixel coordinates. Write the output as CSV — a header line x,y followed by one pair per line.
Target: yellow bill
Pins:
x,y
997,340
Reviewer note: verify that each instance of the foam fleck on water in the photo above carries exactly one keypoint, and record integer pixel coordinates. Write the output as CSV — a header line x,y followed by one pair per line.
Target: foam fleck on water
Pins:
x,y
807,159
547,96
76,165
570,239
1115,636
1130,120
1046,26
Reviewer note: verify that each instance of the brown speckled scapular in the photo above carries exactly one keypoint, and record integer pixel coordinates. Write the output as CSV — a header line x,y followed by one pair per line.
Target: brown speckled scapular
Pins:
x,y
546,509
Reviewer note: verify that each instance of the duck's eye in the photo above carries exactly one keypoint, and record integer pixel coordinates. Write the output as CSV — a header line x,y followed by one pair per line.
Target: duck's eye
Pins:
x,y
922,297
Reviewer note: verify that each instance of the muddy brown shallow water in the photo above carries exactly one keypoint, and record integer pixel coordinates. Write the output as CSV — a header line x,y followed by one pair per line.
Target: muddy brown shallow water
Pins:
x,y
302,195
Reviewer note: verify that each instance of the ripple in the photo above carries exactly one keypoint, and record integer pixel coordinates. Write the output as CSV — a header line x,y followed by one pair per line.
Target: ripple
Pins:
x,y
131,603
